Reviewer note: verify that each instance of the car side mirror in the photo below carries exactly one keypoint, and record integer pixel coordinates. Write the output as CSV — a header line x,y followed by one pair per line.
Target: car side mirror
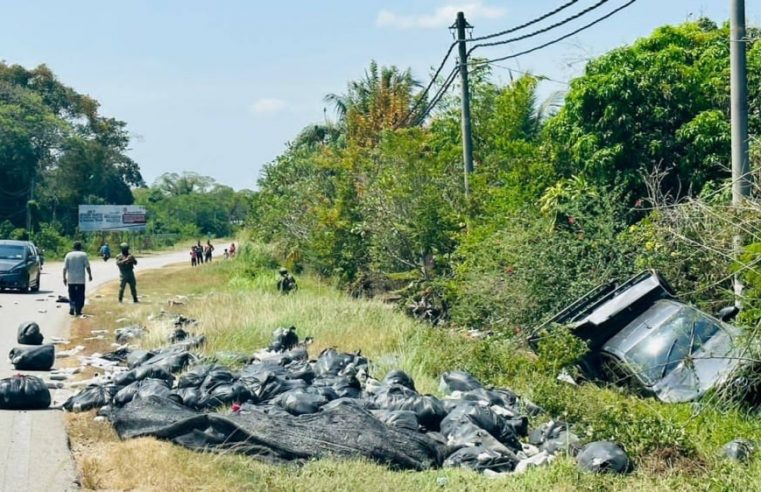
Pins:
x,y
728,313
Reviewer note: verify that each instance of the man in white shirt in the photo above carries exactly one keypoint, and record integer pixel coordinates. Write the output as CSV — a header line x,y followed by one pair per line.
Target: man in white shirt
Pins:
x,y
74,267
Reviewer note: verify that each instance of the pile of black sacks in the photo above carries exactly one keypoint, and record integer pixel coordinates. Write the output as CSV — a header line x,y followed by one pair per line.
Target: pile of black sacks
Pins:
x,y
282,407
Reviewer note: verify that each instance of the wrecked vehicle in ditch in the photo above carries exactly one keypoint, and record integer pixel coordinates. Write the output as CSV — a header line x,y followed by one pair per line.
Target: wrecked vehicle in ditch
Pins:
x,y
642,337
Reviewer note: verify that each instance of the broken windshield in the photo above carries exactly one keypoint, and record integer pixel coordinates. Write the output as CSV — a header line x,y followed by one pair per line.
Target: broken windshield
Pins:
x,y
683,331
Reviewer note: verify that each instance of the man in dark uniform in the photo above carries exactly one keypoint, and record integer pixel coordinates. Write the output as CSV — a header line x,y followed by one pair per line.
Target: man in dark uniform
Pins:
x,y
126,263
286,283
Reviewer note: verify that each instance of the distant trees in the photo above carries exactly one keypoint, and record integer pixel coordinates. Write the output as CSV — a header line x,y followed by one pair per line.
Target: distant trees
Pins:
x,y
57,151
191,205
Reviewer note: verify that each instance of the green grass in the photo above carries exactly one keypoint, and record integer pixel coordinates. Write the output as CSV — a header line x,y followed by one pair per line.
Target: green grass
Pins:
x,y
674,447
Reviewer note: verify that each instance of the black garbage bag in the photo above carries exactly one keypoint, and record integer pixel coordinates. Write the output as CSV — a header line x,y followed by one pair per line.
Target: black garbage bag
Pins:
x,y
216,376
398,377
172,359
224,394
478,458
400,419
188,343
603,457
555,436
94,396
145,371
343,386
502,397
195,375
738,450
300,370
260,371
21,392
129,334
190,397
40,358
283,339
343,431
118,355
484,418
264,391
458,381
300,401
332,363
138,357
142,389
155,416
29,334
178,335
468,434
428,409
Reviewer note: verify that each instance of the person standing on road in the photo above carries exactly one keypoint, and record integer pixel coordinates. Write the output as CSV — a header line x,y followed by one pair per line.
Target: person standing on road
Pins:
x,y
208,251
199,252
75,264
126,263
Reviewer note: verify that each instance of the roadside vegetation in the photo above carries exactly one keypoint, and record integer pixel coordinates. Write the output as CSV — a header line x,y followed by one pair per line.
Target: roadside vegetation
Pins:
x,y
673,446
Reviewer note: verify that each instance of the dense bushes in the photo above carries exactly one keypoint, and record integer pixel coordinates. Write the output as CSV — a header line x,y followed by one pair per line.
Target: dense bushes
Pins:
x,y
628,174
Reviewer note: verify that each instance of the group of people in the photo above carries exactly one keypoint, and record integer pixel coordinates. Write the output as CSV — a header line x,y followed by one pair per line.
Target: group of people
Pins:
x,y
203,254
76,268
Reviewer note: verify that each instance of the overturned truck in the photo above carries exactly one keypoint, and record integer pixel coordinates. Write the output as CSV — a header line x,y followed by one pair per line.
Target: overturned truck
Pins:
x,y
640,335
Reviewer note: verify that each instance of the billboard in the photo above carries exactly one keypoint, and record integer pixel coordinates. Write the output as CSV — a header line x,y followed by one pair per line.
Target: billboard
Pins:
x,y
94,218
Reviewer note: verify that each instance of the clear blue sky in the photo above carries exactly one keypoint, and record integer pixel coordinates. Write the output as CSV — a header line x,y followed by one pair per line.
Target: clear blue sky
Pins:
x,y
219,87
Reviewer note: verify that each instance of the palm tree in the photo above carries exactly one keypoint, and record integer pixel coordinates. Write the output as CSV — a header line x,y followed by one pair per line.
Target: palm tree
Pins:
x,y
380,100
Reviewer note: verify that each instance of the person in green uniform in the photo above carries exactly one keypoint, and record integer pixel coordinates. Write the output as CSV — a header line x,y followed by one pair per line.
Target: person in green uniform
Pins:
x,y
126,263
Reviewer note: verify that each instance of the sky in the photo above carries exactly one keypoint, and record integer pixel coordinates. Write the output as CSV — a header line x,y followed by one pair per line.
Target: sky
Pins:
x,y
219,88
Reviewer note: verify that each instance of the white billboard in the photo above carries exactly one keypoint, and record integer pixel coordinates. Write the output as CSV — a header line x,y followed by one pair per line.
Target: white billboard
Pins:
x,y
111,218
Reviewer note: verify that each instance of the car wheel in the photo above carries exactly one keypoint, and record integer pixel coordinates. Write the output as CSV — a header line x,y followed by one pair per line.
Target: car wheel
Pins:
x,y
36,287
25,288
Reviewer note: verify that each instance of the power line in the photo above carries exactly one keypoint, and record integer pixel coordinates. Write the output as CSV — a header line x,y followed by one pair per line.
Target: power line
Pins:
x,y
526,24
522,72
438,96
556,40
544,29
421,97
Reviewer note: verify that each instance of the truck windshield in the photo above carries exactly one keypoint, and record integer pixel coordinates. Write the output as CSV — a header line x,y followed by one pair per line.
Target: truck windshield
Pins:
x,y
11,252
670,341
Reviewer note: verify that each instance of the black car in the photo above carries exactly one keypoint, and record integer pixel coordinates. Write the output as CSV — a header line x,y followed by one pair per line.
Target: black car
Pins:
x,y
20,266
641,336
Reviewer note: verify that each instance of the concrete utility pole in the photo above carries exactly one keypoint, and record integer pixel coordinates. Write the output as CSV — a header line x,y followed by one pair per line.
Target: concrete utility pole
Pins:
x,y
467,135
739,116
739,105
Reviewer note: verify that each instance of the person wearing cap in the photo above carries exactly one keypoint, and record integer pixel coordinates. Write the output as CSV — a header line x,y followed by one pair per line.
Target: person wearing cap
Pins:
x,y
126,263
75,265
285,282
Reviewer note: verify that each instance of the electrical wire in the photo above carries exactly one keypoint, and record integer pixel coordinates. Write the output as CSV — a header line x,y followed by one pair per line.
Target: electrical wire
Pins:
x,y
424,93
522,72
526,24
438,96
587,10
556,40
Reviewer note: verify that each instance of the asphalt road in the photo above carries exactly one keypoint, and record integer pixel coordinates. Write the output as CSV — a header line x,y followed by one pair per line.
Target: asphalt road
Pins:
x,y
34,453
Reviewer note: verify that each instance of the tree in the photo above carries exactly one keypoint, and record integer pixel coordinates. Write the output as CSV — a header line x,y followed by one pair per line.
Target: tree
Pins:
x,y
664,101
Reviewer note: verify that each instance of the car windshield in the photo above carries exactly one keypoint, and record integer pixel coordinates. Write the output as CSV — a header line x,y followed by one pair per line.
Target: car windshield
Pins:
x,y
671,340
8,252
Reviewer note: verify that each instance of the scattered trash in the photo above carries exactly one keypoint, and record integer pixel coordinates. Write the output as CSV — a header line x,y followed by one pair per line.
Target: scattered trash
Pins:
x,y
39,358
62,354
62,299
738,450
59,341
603,457
22,392
29,334
42,311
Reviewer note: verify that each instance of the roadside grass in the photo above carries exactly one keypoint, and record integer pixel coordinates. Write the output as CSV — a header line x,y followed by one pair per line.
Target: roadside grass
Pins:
x,y
674,447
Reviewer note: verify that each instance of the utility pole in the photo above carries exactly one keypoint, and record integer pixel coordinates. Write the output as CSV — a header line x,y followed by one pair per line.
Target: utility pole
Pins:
x,y
739,104
739,117
467,135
